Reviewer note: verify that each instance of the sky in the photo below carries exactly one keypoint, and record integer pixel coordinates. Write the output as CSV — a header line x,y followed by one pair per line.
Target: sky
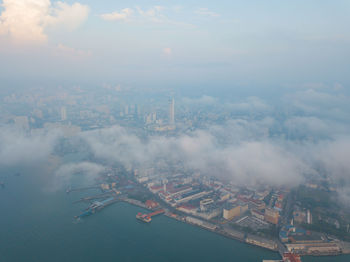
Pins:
x,y
228,44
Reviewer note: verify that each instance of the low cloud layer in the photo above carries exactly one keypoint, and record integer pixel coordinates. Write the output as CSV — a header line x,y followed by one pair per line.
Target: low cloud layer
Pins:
x,y
20,148
279,150
83,172
243,160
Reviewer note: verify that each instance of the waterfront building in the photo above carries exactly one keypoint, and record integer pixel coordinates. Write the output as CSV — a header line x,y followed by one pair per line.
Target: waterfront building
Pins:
x,y
261,242
271,216
200,223
231,211
257,214
205,203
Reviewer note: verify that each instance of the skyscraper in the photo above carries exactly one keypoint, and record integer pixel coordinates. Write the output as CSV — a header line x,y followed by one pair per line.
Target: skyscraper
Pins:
x,y
172,111
63,113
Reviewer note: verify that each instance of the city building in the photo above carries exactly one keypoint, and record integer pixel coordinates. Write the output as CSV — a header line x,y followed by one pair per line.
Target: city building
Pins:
x,y
231,211
21,122
257,214
172,112
271,216
63,113
151,204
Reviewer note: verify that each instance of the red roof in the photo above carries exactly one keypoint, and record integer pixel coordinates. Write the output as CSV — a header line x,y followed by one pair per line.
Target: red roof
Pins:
x,y
151,203
291,257
278,205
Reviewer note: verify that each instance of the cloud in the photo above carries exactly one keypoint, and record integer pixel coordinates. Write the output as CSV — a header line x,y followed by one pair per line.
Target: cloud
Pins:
x,y
167,51
25,21
316,85
85,172
314,128
242,159
18,148
71,53
123,15
251,104
68,16
206,12
329,104
333,155
203,100
155,14
245,150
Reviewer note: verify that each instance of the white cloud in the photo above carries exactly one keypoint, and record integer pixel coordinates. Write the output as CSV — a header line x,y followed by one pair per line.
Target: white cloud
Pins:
x,y
203,100
155,14
87,171
167,51
123,15
69,16
206,12
17,148
241,159
251,104
25,21
325,104
66,51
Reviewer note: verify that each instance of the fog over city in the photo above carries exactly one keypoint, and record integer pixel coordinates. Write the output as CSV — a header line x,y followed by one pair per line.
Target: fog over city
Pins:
x,y
313,140
232,117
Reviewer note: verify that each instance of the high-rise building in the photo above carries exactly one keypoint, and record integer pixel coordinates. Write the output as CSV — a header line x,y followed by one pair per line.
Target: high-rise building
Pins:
x,y
308,217
63,113
172,111
126,110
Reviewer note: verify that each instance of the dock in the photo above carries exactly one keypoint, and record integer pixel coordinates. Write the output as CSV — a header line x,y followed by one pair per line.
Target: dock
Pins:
x,y
96,206
148,217
94,197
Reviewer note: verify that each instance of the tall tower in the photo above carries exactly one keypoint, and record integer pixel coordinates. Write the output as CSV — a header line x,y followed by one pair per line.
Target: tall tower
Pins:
x,y
63,113
172,111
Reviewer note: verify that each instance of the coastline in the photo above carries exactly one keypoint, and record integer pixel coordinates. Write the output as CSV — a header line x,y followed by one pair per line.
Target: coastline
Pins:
x,y
233,234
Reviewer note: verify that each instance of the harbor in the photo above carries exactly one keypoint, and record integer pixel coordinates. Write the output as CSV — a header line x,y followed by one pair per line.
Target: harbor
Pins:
x,y
99,235
110,196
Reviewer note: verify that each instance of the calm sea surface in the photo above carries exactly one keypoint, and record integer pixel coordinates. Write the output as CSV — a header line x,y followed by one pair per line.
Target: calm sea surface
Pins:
x,y
36,224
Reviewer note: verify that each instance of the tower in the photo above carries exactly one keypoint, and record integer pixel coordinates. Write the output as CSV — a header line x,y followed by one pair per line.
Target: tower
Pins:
x,y
172,111
63,113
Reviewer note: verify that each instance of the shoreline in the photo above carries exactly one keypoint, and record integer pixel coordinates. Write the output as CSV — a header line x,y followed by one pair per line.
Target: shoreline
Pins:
x,y
222,232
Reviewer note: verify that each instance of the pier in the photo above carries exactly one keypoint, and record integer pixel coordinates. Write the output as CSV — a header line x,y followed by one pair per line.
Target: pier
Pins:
x,y
148,217
96,206
94,197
